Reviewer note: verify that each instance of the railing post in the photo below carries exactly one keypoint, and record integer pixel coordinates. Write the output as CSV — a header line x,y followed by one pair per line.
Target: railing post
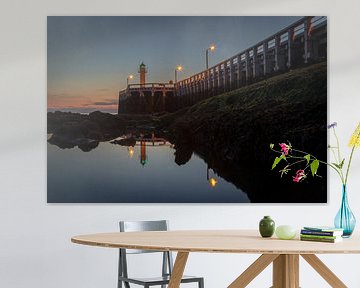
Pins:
x,y
213,82
151,104
218,80
307,25
290,39
247,65
202,85
163,103
277,48
255,62
265,47
188,92
208,83
231,77
225,76
238,80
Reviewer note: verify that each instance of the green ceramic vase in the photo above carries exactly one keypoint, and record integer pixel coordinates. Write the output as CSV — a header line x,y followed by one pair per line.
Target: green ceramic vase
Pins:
x,y
267,227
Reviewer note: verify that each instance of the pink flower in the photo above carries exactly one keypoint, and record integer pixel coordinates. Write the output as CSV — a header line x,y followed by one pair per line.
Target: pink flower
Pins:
x,y
300,175
284,148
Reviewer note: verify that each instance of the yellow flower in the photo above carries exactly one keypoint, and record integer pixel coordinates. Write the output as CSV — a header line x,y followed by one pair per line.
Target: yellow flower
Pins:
x,y
355,138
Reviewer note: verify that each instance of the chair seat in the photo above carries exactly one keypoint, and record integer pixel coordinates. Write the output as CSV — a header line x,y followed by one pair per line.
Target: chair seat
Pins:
x,y
158,280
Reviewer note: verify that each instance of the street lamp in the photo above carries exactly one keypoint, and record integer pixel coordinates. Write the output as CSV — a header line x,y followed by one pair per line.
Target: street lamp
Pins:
x,y
129,78
212,49
178,68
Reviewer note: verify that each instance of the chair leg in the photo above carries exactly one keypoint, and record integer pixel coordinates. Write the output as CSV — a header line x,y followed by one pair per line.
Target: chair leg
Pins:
x,y
201,283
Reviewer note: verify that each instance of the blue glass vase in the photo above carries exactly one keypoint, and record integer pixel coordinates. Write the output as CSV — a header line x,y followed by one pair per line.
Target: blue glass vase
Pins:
x,y
345,219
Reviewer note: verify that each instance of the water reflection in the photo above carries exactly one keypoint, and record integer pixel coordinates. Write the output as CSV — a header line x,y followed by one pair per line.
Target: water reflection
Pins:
x,y
110,173
131,151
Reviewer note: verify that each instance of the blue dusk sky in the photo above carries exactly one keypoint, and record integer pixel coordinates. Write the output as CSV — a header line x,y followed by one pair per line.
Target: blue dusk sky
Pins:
x,y
89,58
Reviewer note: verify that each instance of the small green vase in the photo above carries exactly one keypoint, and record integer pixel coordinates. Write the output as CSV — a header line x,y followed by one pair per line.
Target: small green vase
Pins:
x,y
267,227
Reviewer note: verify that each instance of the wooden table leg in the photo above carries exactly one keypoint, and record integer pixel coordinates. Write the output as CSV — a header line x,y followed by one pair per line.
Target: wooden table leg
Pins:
x,y
324,271
286,271
178,269
253,270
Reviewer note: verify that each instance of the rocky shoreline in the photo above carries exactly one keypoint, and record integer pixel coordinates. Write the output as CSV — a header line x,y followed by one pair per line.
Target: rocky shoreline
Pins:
x,y
86,131
231,132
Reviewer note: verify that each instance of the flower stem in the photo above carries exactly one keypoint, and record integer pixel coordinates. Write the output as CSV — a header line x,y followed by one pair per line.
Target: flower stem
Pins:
x,y
348,167
338,145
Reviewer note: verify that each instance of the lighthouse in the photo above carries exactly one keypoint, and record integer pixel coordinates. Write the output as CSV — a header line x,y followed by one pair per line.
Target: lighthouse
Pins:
x,y
145,97
142,72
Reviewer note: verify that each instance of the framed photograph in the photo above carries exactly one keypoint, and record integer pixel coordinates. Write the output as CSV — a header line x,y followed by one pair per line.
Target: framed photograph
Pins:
x,y
184,109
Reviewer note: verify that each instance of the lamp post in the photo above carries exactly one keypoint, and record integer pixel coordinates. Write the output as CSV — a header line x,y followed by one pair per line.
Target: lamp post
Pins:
x,y
127,80
212,49
178,68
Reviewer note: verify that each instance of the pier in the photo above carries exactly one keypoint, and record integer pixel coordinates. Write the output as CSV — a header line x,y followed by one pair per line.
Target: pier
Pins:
x,y
302,43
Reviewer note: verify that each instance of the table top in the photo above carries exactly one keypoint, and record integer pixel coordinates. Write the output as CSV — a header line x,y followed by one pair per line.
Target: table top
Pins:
x,y
217,241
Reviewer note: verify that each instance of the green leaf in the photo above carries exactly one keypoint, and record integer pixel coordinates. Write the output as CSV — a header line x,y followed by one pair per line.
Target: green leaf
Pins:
x,y
342,163
307,157
339,166
336,165
277,160
271,146
314,167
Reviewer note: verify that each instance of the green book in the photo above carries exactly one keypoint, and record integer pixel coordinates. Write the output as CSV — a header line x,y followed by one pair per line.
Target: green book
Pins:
x,y
324,228
319,236
325,240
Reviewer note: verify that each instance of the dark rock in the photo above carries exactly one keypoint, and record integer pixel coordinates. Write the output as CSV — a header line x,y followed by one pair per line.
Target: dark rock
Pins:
x,y
182,154
87,145
125,142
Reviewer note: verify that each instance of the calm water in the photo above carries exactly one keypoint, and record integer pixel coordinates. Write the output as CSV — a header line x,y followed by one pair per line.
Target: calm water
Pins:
x,y
113,174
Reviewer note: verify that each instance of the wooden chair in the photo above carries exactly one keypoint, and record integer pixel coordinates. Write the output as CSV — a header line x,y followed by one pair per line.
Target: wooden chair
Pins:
x,y
167,265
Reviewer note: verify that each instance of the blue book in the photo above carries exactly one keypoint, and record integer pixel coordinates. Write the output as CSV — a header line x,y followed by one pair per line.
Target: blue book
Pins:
x,y
322,231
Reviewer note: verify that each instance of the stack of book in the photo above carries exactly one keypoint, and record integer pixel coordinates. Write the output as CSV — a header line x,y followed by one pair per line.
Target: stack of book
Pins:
x,y
321,234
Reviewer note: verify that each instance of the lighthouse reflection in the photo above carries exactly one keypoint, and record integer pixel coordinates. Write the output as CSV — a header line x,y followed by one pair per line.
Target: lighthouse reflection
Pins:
x,y
182,155
143,142
143,156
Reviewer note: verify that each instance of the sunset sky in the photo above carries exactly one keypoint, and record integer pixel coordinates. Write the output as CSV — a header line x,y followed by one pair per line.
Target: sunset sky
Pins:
x,y
89,58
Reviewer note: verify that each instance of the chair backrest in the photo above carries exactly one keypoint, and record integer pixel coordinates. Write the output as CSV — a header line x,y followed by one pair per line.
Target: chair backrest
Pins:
x,y
133,226
138,226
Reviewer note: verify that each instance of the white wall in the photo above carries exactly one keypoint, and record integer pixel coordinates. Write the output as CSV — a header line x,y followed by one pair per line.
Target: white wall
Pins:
x,y
35,248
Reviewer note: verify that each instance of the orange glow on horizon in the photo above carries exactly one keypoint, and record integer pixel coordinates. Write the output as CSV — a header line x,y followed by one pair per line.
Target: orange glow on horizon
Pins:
x,y
83,99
